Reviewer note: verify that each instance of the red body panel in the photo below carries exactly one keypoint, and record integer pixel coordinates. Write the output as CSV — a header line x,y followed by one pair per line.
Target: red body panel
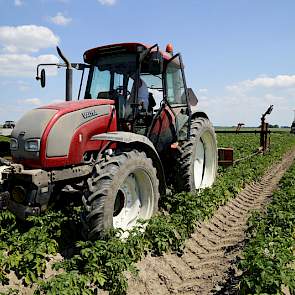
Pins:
x,y
70,106
163,131
77,149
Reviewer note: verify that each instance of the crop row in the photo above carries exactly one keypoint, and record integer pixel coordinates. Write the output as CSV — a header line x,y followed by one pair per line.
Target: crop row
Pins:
x,y
26,248
269,257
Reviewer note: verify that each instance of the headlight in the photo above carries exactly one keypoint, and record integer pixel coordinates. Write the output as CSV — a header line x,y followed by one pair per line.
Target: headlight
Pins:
x,y
32,145
13,144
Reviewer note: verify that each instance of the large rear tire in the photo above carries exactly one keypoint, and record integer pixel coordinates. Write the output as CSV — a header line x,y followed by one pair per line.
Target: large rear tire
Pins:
x,y
196,160
123,189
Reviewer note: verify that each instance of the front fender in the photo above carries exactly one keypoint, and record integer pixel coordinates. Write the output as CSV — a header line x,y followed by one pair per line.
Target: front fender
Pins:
x,y
140,143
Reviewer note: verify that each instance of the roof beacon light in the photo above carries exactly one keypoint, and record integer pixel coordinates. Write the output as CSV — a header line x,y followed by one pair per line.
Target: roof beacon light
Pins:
x,y
169,48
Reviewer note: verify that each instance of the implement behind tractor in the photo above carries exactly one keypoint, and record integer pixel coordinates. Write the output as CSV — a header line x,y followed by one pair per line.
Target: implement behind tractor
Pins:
x,y
117,146
225,155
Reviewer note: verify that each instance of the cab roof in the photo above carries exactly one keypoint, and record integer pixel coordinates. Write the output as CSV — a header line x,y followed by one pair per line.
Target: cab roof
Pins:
x,y
91,54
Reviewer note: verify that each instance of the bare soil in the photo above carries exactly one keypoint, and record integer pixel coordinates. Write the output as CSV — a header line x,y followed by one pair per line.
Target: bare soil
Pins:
x,y
208,264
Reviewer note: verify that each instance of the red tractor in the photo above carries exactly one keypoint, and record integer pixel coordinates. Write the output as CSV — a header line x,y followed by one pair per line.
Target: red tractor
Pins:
x,y
113,145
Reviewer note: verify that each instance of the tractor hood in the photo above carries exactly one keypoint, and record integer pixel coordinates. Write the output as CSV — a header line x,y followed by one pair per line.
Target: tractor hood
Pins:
x,y
69,106
49,130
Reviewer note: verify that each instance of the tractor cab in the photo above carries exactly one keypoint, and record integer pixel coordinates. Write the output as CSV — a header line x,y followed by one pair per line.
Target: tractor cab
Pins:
x,y
148,87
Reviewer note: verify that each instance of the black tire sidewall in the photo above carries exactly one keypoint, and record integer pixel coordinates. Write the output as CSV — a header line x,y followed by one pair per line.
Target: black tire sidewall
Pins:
x,y
118,168
185,178
128,167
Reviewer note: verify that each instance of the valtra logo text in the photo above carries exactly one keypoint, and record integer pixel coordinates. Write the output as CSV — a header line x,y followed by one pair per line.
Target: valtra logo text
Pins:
x,y
89,114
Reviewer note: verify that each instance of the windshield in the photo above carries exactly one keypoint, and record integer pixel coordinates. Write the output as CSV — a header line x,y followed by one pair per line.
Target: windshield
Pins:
x,y
111,74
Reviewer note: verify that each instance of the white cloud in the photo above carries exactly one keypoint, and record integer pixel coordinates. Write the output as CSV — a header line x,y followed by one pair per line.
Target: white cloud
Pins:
x,y
11,83
230,108
280,81
18,2
23,86
30,101
203,90
60,19
246,100
23,65
274,99
28,38
107,2
57,101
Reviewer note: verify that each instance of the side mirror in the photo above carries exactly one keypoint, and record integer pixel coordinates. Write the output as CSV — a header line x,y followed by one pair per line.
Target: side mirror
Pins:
x,y
43,78
155,63
192,98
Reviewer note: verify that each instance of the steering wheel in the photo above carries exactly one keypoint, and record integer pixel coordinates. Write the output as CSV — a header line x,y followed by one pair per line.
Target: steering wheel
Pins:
x,y
119,90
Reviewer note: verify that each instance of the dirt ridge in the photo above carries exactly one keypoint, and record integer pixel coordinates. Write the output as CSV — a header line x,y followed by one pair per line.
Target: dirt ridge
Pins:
x,y
211,252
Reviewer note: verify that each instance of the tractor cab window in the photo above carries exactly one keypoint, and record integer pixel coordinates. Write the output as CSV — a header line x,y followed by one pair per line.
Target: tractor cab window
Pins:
x,y
101,82
175,82
109,76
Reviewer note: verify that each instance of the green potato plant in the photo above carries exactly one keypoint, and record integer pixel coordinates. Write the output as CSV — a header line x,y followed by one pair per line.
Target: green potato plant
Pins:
x,y
104,263
269,255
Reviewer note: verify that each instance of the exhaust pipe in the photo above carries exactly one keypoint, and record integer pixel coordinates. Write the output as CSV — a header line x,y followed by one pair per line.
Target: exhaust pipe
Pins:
x,y
69,75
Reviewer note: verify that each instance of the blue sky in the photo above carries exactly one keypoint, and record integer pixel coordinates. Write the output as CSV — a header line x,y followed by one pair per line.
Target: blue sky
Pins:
x,y
239,54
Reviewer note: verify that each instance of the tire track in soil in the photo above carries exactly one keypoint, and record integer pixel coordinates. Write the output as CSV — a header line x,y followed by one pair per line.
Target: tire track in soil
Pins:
x,y
210,254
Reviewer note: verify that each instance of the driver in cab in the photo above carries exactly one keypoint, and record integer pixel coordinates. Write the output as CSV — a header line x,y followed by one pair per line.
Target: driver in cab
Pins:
x,y
143,94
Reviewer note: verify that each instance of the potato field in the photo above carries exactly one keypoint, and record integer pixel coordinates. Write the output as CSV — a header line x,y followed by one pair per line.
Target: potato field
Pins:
x,y
48,255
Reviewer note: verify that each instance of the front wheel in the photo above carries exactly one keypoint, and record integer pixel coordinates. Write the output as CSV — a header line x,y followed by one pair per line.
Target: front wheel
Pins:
x,y
123,189
196,159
